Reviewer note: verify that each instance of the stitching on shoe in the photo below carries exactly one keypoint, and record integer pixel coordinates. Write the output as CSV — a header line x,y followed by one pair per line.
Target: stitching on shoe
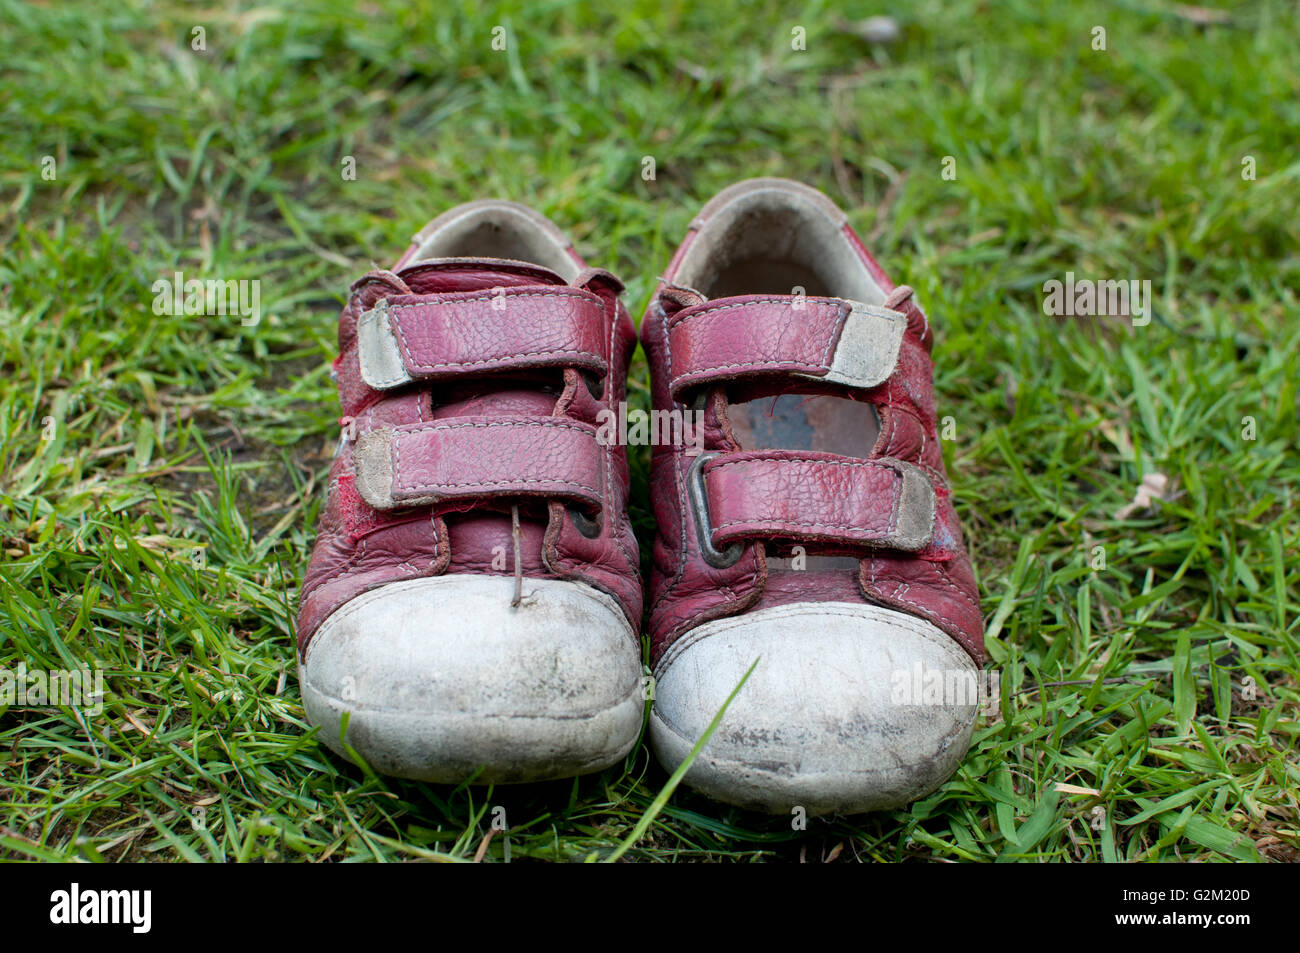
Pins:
x,y
749,302
832,341
677,477
778,524
547,422
892,526
616,530
814,461
674,381
436,427
351,567
504,357
575,293
401,334
966,597
930,613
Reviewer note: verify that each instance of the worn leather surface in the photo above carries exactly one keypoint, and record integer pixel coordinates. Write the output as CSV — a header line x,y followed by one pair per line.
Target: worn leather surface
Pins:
x,y
817,498
448,333
469,445
482,457
934,582
755,336
743,336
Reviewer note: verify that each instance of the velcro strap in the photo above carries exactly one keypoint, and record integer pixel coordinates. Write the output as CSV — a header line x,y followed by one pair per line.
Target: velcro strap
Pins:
x,y
464,458
417,337
818,497
829,339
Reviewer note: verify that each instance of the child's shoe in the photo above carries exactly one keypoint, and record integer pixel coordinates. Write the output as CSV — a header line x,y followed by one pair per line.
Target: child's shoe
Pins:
x,y
472,605
815,532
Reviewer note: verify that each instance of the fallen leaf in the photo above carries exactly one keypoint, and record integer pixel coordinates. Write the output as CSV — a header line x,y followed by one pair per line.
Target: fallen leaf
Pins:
x,y
1154,486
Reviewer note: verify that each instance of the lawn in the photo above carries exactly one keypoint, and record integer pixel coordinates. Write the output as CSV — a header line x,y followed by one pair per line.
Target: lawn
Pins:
x,y
160,474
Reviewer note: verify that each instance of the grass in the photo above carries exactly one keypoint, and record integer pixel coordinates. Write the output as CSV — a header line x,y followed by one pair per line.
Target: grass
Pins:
x,y
160,476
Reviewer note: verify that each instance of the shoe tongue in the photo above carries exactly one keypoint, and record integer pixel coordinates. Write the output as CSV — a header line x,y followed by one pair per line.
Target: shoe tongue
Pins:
x,y
441,275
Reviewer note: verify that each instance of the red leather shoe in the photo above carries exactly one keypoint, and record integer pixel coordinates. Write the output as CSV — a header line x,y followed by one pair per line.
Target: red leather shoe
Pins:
x,y
815,532
472,602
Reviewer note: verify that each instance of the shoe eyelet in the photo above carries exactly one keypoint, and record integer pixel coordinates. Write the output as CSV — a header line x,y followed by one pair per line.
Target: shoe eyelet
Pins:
x,y
719,559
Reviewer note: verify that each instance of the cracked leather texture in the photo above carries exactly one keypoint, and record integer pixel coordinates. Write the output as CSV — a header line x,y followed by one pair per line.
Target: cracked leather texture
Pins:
x,y
814,497
475,332
772,336
477,457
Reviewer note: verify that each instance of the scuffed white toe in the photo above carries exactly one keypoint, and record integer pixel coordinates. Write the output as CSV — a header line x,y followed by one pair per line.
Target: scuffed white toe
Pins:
x,y
443,678
836,718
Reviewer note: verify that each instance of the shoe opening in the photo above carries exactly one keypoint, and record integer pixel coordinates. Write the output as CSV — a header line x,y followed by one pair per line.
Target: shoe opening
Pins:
x,y
498,229
771,236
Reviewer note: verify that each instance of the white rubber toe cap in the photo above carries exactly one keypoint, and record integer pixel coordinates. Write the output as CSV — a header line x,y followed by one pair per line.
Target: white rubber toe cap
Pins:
x,y
442,677
831,719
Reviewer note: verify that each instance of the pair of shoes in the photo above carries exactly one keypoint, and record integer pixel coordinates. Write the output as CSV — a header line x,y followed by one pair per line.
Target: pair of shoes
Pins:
x,y
472,608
